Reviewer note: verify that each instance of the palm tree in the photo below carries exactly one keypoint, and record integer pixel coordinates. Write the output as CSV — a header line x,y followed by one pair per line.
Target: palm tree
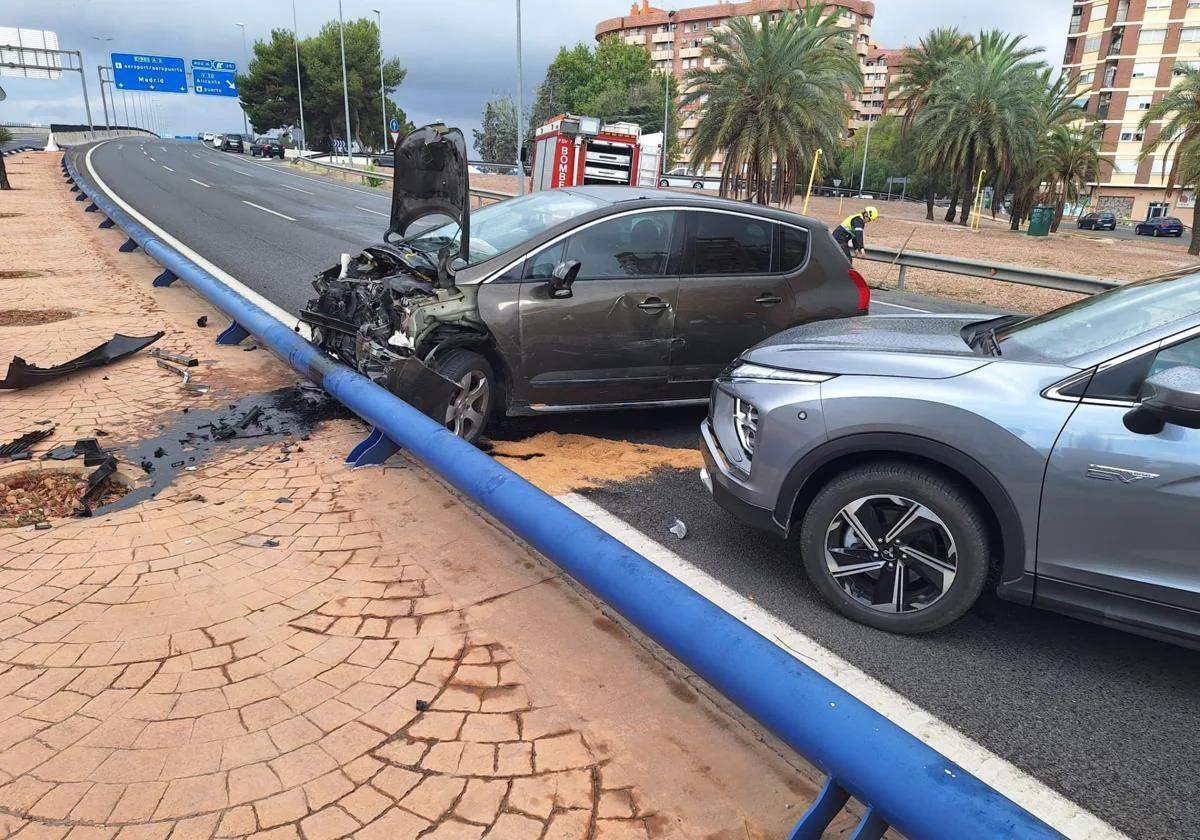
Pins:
x,y
983,113
1058,106
774,93
922,68
1069,161
1180,112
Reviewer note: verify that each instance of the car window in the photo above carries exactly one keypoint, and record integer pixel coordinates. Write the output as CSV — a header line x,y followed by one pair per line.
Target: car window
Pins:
x,y
635,245
793,248
542,264
1124,381
725,243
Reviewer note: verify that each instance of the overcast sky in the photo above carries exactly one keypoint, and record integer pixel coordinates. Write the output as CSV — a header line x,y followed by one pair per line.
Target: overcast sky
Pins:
x,y
458,53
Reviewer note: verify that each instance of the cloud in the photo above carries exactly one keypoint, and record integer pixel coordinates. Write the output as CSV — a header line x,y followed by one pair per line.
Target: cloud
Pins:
x,y
458,54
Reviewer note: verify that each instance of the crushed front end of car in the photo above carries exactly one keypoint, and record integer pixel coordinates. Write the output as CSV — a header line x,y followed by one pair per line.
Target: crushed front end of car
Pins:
x,y
389,311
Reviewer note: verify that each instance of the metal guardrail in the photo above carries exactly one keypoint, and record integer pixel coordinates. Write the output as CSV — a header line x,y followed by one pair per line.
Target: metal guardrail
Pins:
x,y
904,782
489,195
1044,277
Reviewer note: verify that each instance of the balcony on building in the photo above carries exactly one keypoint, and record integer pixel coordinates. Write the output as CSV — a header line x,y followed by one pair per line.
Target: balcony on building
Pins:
x,y
665,54
662,37
635,40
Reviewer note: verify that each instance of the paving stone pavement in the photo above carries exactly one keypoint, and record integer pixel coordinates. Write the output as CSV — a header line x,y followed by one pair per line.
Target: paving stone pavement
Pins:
x,y
267,648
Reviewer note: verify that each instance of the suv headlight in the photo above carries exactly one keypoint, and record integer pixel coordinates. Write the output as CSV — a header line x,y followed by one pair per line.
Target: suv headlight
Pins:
x,y
761,373
745,421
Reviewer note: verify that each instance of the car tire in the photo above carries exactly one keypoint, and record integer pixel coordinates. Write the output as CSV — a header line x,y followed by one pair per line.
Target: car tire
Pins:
x,y
467,416
1154,233
663,182
959,528
699,185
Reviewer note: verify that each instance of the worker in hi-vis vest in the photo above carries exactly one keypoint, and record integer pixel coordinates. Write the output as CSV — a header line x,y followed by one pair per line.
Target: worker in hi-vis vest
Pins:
x,y
849,234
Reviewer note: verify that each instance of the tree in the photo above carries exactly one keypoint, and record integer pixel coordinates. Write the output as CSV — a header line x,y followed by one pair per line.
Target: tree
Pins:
x,y
5,137
615,81
890,156
1057,108
922,68
774,92
1180,112
983,114
1069,161
496,138
268,88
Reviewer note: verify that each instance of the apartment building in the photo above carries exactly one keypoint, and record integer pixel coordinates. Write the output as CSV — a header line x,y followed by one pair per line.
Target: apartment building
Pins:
x,y
676,39
881,67
1128,54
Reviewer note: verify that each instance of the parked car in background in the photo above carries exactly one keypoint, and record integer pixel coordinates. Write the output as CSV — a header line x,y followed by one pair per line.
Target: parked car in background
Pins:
x,y
231,143
919,458
1162,226
681,176
266,147
574,299
207,137
1102,220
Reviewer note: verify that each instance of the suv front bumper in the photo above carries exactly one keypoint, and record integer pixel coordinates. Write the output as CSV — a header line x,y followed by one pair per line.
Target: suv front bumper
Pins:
x,y
718,478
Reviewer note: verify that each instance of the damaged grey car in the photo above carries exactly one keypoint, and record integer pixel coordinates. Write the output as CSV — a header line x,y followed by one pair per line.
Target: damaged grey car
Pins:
x,y
586,298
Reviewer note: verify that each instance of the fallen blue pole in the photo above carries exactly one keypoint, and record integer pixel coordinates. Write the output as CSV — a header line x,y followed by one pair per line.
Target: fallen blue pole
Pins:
x,y
906,783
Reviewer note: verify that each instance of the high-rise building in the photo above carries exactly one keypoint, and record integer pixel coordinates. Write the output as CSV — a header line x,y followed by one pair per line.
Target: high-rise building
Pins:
x,y
1128,54
676,42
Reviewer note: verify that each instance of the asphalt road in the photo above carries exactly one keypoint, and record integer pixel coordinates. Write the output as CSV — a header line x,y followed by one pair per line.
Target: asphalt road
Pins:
x,y
1106,718
1125,233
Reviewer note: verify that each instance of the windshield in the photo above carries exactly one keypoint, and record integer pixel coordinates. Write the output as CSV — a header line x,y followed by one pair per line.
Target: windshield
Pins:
x,y
1105,319
497,227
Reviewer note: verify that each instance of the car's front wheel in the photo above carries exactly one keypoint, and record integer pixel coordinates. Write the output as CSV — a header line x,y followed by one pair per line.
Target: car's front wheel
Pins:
x,y
895,546
663,182
469,409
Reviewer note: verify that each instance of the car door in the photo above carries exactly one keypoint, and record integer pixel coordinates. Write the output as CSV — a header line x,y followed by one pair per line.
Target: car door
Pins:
x,y
1121,511
732,293
610,341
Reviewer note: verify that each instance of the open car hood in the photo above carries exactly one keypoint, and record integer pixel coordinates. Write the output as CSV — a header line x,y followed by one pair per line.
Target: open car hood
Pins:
x,y
431,179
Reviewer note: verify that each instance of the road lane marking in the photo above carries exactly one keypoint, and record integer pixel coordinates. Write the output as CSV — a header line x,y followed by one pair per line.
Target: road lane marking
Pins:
x,y
271,308
297,189
169,169
901,306
196,156
1035,797
212,163
201,183
369,210
244,172
267,210
153,158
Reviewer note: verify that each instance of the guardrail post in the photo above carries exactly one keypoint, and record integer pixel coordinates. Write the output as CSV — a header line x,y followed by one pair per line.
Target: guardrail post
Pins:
x,y
900,279
129,245
870,827
165,279
107,223
372,450
91,208
81,197
828,804
233,334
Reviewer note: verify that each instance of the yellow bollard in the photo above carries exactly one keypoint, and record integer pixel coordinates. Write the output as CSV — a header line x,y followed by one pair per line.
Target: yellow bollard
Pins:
x,y
811,177
976,221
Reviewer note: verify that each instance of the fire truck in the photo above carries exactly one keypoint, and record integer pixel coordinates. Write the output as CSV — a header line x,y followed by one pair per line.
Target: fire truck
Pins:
x,y
570,151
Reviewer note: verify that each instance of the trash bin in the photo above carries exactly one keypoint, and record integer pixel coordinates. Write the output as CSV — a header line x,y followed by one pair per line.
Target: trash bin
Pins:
x,y
1040,219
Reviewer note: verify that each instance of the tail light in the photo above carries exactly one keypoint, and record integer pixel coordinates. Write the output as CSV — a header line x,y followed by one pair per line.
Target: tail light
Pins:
x,y
864,293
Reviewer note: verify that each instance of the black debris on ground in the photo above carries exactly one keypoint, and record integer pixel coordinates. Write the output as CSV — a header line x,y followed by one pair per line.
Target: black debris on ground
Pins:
x,y
25,442
22,374
202,321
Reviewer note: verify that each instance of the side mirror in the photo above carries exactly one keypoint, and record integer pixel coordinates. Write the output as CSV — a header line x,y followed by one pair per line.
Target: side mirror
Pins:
x,y
563,277
1170,397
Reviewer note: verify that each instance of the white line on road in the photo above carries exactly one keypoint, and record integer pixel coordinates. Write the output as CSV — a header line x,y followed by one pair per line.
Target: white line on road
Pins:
x,y
153,158
201,183
297,189
196,156
275,310
212,163
369,210
267,210
164,166
899,306
244,172
1040,800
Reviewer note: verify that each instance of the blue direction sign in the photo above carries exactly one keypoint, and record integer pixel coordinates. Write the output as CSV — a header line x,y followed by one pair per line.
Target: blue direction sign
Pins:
x,y
155,73
394,124
214,83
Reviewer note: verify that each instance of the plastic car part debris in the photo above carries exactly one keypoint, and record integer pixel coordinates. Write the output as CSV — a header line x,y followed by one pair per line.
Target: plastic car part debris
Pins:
x,y
283,500
178,371
22,374
158,453
271,544
147,465
202,321
97,481
177,358
422,705
41,422
678,529
42,526
87,447
25,442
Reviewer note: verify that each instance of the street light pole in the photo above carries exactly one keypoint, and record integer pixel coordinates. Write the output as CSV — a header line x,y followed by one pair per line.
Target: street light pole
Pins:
x,y
246,56
125,107
382,94
345,84
299,91
520,116
862,181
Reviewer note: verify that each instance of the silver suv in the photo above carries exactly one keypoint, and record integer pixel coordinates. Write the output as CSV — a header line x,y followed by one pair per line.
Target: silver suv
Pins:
x,y
919,459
